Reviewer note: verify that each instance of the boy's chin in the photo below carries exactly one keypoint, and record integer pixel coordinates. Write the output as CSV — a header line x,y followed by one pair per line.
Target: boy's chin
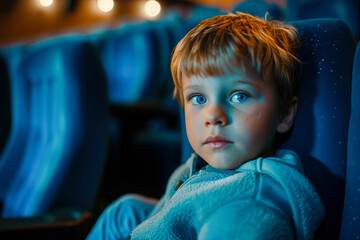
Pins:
x,y
224,164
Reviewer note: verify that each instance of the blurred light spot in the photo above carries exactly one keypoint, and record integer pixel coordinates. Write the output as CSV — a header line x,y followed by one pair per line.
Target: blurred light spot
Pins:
x,y
152,8
105,5
46,3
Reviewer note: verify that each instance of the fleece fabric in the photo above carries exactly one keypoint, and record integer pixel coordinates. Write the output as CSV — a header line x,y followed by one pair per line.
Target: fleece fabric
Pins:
x,y
266,198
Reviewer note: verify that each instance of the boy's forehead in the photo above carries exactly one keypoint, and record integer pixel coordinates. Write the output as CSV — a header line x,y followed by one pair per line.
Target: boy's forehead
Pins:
x,y
234,78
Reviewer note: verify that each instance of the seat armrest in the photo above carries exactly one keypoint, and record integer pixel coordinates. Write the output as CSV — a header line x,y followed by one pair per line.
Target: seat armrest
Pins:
x,y
63,224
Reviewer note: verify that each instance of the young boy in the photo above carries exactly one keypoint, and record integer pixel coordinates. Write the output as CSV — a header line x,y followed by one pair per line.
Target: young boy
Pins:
x,y
234,78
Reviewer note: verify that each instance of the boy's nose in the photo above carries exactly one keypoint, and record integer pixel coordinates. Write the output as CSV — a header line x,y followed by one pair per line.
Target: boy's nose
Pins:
x,y
216,116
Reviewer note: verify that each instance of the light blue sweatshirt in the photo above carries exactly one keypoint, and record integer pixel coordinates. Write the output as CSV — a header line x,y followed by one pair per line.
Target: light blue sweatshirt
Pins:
x,y
266,198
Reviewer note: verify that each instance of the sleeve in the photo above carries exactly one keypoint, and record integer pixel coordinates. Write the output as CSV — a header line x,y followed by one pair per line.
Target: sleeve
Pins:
x,y
180,173
245,220
121,217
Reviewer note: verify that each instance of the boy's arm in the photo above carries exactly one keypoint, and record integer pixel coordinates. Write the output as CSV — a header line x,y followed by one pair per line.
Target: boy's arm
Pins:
x,y
182,172
246,220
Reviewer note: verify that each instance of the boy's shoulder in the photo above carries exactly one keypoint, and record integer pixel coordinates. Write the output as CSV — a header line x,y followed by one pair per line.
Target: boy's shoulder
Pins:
x,y
283,158
283,174
286,169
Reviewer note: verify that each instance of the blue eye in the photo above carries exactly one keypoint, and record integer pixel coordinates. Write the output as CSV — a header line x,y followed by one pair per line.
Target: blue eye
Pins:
x,y
239,97
198,99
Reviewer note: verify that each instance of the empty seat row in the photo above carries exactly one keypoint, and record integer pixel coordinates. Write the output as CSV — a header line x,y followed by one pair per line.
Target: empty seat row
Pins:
x,y
59,127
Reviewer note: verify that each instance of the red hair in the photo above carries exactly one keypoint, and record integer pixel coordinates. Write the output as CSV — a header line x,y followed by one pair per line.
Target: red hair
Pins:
x,y
228,43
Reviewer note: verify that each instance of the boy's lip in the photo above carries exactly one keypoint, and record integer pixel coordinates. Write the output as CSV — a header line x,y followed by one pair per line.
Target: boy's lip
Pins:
x,y
217,141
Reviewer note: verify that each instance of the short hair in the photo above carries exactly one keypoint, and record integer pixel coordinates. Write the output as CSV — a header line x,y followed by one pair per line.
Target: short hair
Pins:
x,y
239,42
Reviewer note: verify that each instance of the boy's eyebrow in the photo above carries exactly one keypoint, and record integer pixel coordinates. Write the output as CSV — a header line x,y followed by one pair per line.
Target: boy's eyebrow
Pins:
x,y
252,83
190,86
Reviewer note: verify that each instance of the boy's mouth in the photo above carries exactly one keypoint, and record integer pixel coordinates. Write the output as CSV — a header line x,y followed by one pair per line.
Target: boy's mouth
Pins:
x,y
217,142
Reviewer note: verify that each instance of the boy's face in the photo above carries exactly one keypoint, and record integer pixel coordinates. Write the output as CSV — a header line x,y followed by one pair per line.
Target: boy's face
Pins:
x,y
230,119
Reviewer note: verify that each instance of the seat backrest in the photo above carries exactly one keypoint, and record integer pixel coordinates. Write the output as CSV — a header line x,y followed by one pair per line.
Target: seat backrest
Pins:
x,y
350,227
64,96
128,57
346,10
259,8
11,155
136,58
320,131
168,30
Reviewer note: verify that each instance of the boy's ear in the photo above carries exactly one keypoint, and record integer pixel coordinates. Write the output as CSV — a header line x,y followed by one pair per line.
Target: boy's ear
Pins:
x,y
288,117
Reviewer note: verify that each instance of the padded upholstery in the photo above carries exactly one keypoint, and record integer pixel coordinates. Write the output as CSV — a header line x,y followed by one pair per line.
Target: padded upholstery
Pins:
x,y
321,128
346,10
320,132
259,8
136,60
136,57
350,228
128,61
59,91
11,155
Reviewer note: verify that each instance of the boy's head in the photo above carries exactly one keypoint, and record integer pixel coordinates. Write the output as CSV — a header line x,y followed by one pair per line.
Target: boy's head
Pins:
x,y
234,77
238,42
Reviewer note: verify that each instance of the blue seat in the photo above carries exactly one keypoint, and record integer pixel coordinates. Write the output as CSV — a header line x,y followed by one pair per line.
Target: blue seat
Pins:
x,y
127,56
169,34
259,8
136,58
59,130
350,227
13,149
320,133
346,10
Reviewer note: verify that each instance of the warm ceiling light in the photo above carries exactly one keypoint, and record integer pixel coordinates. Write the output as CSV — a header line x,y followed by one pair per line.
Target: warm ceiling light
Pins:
x,y
105,5
46,3
152,8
